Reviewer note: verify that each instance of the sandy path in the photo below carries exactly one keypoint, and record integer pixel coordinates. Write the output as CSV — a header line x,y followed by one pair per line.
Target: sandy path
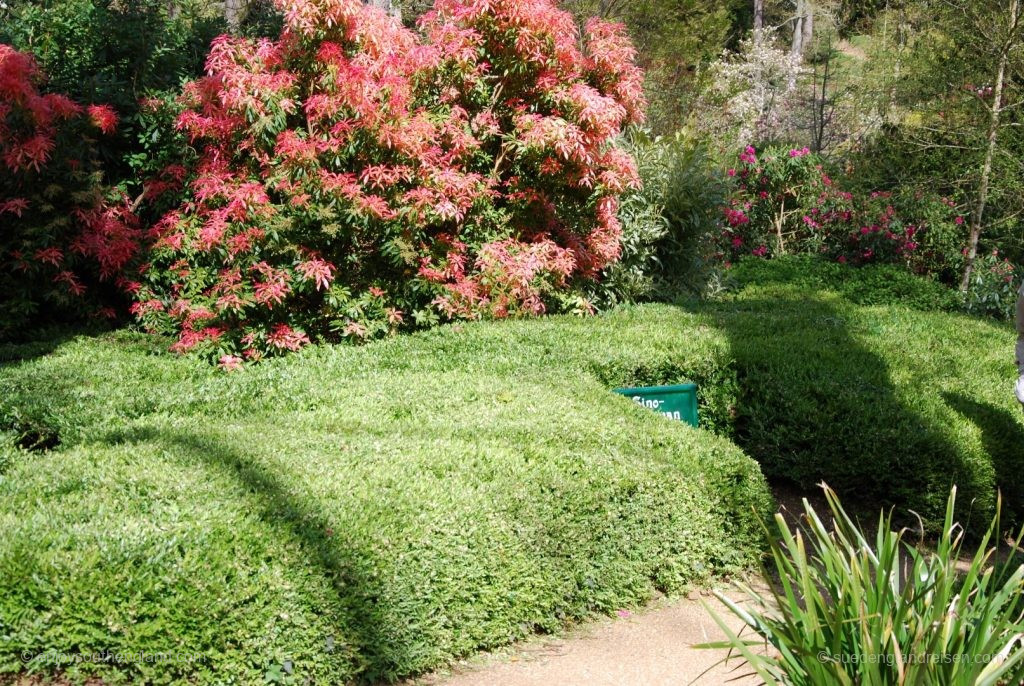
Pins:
x,y
650,647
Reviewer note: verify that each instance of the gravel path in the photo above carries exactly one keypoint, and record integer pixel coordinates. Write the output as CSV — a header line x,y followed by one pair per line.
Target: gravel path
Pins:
x,y
651,647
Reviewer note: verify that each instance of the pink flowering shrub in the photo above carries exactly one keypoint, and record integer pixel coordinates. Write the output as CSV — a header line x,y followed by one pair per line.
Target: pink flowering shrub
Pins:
x,y
785,202
912,228
63,245
763,216
355,176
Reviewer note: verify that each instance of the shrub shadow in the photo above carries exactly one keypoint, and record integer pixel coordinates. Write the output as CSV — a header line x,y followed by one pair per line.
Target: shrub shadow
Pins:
x,y
359,634
1002,434
815,405
18,351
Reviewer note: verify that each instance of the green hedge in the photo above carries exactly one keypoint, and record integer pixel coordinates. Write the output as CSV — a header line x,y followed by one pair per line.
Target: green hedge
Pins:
x,y
421,498
883,284
889,403
409,501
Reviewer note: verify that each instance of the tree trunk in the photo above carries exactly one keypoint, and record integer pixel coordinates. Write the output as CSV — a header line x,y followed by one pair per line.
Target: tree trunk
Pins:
x,y
780,219
820,102
978,214
798,30
234,12
808,37
758,19
796,51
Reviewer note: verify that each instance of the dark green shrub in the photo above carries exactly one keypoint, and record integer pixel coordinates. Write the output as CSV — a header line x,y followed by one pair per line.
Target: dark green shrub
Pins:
x,y
641,213
113,52
693,190
911,160
669,224
262,20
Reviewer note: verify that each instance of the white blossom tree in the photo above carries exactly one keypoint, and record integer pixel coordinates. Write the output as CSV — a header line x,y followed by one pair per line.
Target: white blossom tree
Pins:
x,y
750,94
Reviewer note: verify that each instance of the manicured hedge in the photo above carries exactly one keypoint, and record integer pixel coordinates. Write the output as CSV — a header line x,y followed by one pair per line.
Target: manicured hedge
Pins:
x,y
409,501
423,497
882,284
889,403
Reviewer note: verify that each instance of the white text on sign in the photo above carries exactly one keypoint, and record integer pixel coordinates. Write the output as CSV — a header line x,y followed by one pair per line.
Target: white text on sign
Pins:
x,y
652,404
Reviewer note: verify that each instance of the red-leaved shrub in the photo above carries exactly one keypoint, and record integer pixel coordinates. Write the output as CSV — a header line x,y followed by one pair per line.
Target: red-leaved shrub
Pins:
x,y
61,238
355,176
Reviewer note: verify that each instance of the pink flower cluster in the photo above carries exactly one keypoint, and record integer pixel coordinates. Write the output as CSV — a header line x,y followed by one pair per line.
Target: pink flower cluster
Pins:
x,y
735,217
787,191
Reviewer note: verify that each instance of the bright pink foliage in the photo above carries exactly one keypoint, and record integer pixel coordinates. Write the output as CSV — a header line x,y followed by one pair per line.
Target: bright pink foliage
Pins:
x,y
355,171
103,117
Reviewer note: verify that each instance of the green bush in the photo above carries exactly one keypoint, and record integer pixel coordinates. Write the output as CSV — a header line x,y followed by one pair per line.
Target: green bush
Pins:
x,y
898,158
412,500
993,287
112,52
888,404
669,224
693,191
881,284
852,607
641,214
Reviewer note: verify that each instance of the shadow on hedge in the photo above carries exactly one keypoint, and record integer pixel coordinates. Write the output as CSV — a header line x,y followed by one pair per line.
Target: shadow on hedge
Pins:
x,y
359,637
17,351
1003,437
816,405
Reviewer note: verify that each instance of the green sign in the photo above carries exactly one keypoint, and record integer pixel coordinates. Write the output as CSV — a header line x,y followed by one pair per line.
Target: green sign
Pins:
x,y
675,402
